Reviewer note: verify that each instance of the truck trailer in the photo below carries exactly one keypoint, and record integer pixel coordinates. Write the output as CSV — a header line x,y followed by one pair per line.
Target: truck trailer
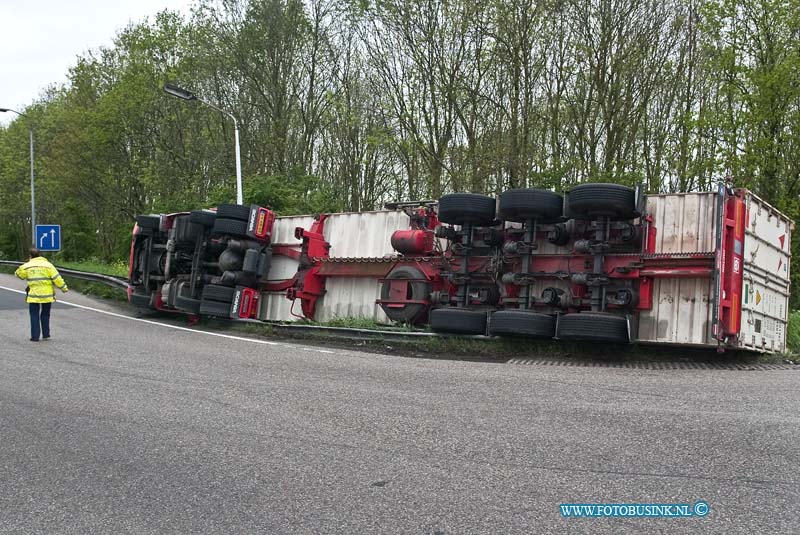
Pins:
x,y
602,263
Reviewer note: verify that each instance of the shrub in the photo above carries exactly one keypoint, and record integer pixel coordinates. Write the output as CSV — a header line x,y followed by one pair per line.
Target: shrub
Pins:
x,y
793,332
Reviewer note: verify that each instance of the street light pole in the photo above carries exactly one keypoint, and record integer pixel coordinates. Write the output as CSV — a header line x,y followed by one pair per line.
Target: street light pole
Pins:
x,y
176,91
33,196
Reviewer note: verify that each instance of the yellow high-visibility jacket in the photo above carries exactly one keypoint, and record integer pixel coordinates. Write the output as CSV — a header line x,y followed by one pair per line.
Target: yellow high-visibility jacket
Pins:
x,y
41,275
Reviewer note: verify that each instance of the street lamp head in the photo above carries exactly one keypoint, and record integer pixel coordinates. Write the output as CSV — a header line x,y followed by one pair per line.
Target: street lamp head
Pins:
x,y
3,110
176,91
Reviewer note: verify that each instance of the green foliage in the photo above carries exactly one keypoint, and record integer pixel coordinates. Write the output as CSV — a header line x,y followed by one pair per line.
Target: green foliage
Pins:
x,y
95,289
354,323
291,194
118,268
793,332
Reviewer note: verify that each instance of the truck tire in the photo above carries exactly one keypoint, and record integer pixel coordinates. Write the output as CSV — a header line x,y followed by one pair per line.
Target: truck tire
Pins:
x,y
602,200
467,208
416,290
203,217
234,211
215,308
218,293
458,321
594,327
522,204
522,323
232,227
187,304
148,221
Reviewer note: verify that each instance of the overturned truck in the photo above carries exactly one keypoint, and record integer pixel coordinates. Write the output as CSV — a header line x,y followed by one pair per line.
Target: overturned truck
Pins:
x,y
602,263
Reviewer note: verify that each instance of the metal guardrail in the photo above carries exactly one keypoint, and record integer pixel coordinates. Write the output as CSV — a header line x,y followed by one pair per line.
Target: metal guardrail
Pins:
x,y
109,280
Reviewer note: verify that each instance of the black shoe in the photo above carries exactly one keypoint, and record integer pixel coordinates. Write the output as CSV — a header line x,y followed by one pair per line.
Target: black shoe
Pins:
x,y
46,337
34,339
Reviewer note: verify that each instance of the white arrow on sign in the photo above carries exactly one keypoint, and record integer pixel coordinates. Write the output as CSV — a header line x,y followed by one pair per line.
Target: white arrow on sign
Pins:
x,y
52,238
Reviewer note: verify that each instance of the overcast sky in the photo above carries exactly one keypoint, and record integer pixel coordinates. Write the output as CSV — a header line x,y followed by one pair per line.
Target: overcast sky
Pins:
x,y
41,39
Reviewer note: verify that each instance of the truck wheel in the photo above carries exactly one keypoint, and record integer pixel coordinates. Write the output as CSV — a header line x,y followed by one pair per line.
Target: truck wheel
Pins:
x,y
216,292
148,221
233,211
187,304
522,204
458,320
598,200
215,308
232,227
594,327
203,217
522,323
467,208
416,290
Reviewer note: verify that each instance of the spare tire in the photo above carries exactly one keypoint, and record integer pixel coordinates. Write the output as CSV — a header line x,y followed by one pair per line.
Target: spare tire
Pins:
x,y
458,320
467,208
522,204
522,323
416,290
602,200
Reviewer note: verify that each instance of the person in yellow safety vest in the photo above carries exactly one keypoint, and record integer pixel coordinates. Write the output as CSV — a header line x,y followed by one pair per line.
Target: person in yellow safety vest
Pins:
x,y
41,276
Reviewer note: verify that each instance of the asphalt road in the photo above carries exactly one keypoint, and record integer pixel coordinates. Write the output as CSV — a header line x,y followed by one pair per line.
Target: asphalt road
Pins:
x,y
117,425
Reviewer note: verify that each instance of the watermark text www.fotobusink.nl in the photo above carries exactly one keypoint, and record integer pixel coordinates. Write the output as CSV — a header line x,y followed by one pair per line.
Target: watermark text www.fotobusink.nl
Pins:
x,y
634,510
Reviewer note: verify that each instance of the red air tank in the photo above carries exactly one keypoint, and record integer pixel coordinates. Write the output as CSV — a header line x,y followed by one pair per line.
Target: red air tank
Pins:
x,y
413,242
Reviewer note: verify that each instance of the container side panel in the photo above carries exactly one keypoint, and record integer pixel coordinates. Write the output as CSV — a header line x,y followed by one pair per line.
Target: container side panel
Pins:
x,y
282,268
681,313
764,314
361,235
767,240
685,223
767,258
351,298
283,230
275,307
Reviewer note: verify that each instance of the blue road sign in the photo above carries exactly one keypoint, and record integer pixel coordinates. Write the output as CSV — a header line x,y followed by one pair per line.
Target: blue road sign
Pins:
x,y
48,237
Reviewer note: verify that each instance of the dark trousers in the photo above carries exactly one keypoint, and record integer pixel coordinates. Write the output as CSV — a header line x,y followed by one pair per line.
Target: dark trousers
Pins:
x,y
40,316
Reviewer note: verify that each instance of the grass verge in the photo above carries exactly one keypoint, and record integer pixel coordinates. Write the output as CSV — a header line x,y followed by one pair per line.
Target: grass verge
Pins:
x,y
116,269
498,349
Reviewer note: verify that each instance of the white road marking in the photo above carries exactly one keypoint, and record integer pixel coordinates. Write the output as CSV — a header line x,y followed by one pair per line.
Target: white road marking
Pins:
x,y
177,328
